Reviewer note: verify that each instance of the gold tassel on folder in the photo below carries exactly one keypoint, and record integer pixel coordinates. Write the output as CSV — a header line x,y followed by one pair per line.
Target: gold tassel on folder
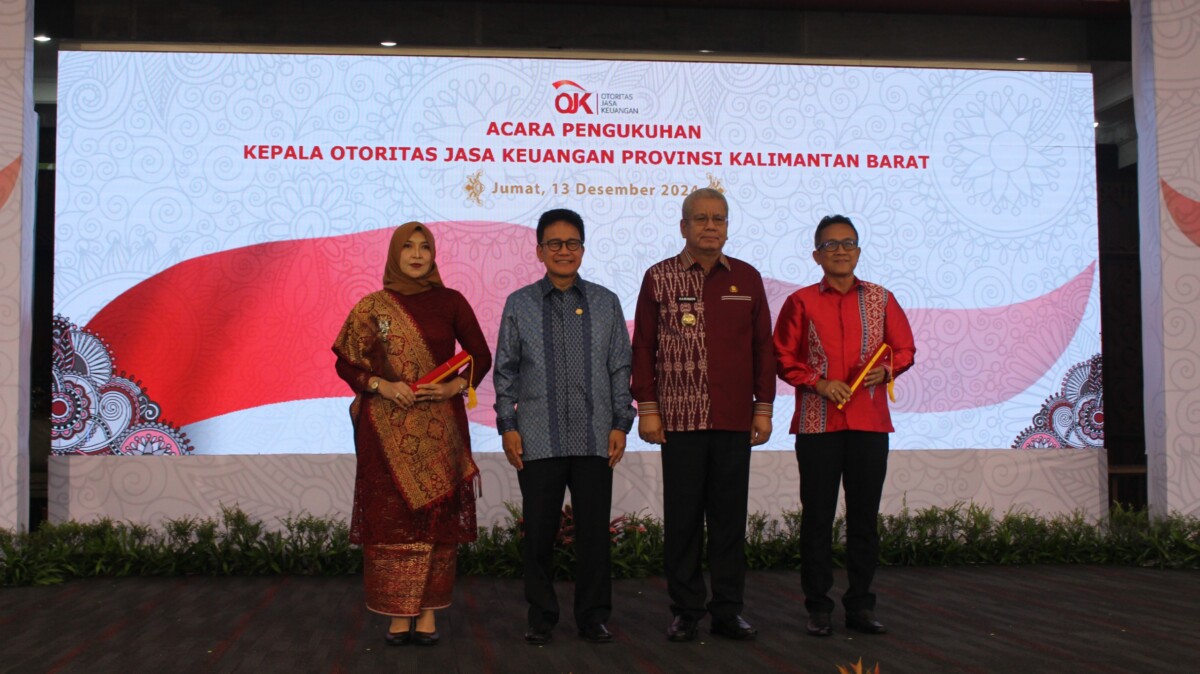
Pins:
x,y
472,401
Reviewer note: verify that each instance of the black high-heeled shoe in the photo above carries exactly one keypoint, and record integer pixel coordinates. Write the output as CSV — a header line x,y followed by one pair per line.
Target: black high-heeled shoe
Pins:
x,y
425,638
399,638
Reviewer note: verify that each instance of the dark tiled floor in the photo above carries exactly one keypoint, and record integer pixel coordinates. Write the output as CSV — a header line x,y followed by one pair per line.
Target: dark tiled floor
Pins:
x,y
989,619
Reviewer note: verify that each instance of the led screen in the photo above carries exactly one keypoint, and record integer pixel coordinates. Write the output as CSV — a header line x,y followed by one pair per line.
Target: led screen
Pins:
x,y
218,214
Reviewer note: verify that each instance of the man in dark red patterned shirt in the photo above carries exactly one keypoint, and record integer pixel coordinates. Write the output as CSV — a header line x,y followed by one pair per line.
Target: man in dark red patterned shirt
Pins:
x,y
703,376
827,334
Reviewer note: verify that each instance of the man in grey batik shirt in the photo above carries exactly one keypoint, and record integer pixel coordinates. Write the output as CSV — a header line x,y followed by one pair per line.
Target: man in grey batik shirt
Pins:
x,y
563,409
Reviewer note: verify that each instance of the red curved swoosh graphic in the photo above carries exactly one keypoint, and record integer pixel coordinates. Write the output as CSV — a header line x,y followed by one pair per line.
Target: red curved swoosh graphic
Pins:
x,y
970,358
1184,211
975,357
8,180
252,326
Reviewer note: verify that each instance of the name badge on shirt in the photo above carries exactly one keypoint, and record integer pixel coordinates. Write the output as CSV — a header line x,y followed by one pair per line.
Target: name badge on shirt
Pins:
x,y
686,303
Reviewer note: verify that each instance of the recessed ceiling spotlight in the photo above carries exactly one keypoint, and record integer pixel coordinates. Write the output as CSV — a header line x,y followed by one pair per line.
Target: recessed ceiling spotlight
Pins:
x,y
1095,125
1020,58
41,38
706,51
388,43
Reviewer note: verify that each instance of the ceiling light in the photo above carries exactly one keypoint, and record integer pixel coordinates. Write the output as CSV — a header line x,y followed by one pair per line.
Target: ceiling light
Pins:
x,y
1020,58
388,43
41,38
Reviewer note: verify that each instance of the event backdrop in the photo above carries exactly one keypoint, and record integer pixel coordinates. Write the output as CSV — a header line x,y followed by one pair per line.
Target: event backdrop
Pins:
x,y
218,214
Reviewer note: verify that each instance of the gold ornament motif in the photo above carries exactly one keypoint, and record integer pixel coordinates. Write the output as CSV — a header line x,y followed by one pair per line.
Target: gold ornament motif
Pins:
x,y
733,289
688,319
474,187
715,183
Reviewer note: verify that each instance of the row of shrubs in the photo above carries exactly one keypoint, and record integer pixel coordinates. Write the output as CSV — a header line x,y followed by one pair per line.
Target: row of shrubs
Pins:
x,y
235,544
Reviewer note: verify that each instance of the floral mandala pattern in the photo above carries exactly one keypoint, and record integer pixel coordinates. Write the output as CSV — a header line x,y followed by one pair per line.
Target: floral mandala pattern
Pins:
x,y
1011,154
94,411
1072,417
308,208
995,164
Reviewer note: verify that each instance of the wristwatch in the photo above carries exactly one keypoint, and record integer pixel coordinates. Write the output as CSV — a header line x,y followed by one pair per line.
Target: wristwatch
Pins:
x,y
374,385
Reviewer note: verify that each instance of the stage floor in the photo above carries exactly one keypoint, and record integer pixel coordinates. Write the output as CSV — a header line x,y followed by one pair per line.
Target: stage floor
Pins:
x,y
983,619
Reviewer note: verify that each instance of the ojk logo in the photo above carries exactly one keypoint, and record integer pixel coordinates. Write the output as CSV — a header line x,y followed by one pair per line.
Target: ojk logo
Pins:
x,y
570,102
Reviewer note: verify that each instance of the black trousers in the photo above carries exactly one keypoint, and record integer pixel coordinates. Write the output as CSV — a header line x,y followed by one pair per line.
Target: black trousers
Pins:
x,y
857,460
706,477
543,484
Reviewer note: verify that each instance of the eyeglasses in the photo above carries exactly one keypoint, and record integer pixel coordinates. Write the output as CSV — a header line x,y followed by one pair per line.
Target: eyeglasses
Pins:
x,y
703,220
832,245
556,245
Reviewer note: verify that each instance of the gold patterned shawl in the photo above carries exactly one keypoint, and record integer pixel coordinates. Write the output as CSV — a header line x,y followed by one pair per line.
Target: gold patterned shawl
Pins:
x,y
423,446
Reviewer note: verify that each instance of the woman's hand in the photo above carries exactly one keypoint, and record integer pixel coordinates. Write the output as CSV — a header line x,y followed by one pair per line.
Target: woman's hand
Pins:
x,y
398,392
436,392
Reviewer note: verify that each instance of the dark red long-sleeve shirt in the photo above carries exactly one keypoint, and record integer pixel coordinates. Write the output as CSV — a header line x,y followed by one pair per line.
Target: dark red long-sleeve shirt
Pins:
x,y
702,352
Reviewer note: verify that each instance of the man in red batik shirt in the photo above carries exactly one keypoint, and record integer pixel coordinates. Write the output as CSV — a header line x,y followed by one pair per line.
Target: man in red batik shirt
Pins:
x,y
826,334
703,376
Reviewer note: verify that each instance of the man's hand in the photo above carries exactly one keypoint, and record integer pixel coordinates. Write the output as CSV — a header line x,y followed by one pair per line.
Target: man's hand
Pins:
x,y
616,447
875,377
650,429
513,448
837,391
760,429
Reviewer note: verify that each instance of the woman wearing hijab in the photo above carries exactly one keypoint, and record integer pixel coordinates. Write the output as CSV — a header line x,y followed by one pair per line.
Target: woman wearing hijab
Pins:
x,y
414,496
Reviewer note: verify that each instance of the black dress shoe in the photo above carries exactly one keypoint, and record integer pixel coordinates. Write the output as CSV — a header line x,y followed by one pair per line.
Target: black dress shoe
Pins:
x,y
820,625
426,638
864,621
596,633
398,638
538,637
681,629
736,629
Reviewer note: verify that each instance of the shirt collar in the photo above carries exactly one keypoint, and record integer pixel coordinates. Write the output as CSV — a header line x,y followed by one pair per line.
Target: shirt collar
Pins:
x,y
825,287
545,286
687,261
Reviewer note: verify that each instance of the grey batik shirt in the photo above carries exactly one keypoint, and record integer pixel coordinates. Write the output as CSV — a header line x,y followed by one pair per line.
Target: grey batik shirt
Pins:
x,y
561,369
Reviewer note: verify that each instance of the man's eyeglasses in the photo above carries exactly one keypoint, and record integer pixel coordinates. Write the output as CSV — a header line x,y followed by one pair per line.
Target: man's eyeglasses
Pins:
x,y
832,245
556,245
703,220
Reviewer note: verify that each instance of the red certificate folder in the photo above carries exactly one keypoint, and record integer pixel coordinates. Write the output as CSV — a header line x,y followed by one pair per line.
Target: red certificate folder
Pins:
x,y
447,370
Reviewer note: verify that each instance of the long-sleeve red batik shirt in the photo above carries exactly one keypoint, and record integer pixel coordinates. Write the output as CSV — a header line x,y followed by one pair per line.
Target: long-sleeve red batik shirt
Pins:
x,y
824,334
